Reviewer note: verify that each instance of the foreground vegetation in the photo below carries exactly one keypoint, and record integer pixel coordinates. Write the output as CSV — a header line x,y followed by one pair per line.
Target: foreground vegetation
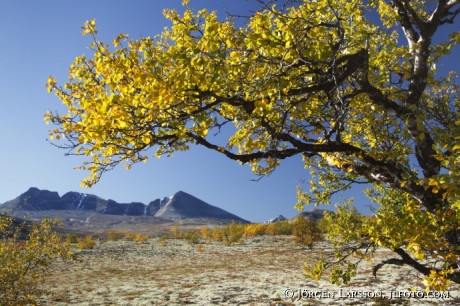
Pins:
x,y
27,251
288,243
255,271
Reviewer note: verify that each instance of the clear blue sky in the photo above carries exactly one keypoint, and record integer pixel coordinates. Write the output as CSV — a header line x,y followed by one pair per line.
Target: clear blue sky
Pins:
x,y
42,38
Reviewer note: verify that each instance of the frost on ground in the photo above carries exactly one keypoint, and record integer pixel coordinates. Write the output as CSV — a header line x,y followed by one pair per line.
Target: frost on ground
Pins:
x,y
260,271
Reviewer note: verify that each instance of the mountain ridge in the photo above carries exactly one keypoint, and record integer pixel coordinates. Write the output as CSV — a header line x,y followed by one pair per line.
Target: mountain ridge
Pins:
x,y
177,207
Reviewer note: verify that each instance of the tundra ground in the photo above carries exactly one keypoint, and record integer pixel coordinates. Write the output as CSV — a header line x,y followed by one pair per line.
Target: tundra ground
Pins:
x,y
259,271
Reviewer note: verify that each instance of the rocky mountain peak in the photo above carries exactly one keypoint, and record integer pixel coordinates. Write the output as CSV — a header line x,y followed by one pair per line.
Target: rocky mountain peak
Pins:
x,y
179,206
315,213
279,218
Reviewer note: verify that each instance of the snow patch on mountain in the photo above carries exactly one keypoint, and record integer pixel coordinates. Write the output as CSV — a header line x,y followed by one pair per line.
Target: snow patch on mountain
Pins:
x,y
82,197
279,218
164,204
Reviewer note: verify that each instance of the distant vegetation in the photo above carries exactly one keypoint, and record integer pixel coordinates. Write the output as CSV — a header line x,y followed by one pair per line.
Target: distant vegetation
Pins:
x,y
305,232
135,237
87,243
113,235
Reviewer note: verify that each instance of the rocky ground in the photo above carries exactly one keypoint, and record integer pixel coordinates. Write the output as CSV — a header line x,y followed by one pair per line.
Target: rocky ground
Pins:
x,y
260,271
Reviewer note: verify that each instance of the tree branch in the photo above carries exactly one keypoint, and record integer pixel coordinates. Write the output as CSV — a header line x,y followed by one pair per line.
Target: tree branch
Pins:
x,y
406,259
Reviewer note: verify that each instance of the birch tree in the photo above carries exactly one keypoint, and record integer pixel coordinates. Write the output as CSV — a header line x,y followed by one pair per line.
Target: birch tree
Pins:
x,y
314,78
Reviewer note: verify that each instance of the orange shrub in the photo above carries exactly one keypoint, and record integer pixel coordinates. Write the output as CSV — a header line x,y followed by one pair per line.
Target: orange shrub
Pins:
x,y
140,238
129,235
256,229
217,234
87,243
205,232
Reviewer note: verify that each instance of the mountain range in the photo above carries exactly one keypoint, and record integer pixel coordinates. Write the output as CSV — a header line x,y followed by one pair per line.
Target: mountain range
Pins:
x,y
315,214
177,207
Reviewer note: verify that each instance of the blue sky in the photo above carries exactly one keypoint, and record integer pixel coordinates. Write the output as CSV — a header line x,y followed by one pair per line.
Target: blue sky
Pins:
x,y
42,38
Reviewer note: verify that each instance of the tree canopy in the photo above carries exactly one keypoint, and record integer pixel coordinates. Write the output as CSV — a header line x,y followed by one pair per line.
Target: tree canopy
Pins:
x,y
316,78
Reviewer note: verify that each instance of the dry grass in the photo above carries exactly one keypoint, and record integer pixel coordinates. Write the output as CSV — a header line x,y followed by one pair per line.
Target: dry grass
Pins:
x,y
253,273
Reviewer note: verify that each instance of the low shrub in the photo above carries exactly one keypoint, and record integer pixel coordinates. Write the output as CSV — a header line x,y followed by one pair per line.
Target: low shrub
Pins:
x,y
279,228
217,234
306,231
87,243
323,224
114,235
129,235
25,264
233,233
176,232
206,234
256,229
191,237
71,238
140,238
162,241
